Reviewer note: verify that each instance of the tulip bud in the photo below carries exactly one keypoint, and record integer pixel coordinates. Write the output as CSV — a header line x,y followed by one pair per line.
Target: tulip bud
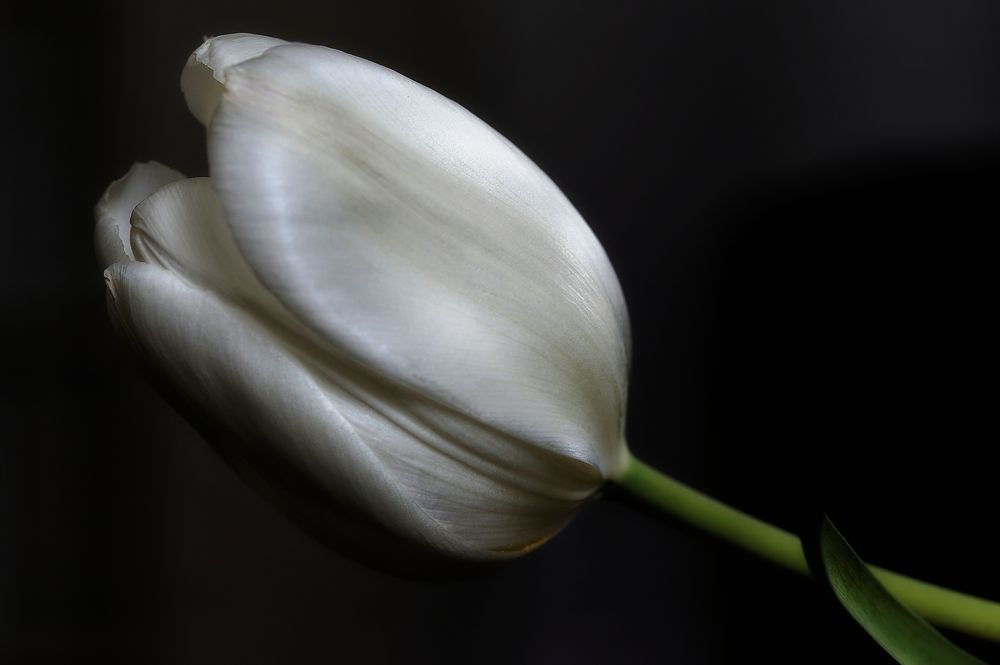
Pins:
x,y
378,309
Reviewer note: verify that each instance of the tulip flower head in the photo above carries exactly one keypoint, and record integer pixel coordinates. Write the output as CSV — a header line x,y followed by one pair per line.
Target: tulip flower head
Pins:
x,y
380,311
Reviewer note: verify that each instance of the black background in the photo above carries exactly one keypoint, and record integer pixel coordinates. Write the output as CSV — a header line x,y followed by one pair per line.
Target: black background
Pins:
x,y
798,199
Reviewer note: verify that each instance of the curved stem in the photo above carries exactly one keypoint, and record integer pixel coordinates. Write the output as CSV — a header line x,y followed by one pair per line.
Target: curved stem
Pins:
x,y
944,607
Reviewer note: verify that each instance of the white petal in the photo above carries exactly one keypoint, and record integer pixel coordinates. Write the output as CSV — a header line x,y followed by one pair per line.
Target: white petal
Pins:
x,y
291,430
202,78
504,496
422,243
182,228
113,210
493,492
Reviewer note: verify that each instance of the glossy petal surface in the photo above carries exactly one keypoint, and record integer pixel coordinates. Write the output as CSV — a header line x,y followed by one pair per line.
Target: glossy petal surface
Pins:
x,y
423,244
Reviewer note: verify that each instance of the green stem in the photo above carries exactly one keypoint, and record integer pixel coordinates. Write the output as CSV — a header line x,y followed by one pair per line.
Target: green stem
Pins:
x,y
944,607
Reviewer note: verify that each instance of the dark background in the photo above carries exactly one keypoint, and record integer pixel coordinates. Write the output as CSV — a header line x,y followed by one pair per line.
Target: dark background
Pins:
x,y
797,197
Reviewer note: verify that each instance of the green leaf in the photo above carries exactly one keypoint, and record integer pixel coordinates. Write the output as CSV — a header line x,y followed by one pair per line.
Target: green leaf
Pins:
x,y
905,636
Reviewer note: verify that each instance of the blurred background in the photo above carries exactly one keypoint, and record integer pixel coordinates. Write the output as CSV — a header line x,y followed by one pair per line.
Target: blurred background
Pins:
x,y
797,198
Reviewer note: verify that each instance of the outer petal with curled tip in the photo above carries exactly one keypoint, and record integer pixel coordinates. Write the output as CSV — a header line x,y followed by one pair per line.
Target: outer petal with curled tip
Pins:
x,y
416,239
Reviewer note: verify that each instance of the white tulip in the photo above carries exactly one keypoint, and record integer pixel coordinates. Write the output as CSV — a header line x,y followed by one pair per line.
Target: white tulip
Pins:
x,y
378,308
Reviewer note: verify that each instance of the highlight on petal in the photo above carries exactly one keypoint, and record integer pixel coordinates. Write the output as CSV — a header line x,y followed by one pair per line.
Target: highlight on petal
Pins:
x,y
424,245
114,209
204,74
